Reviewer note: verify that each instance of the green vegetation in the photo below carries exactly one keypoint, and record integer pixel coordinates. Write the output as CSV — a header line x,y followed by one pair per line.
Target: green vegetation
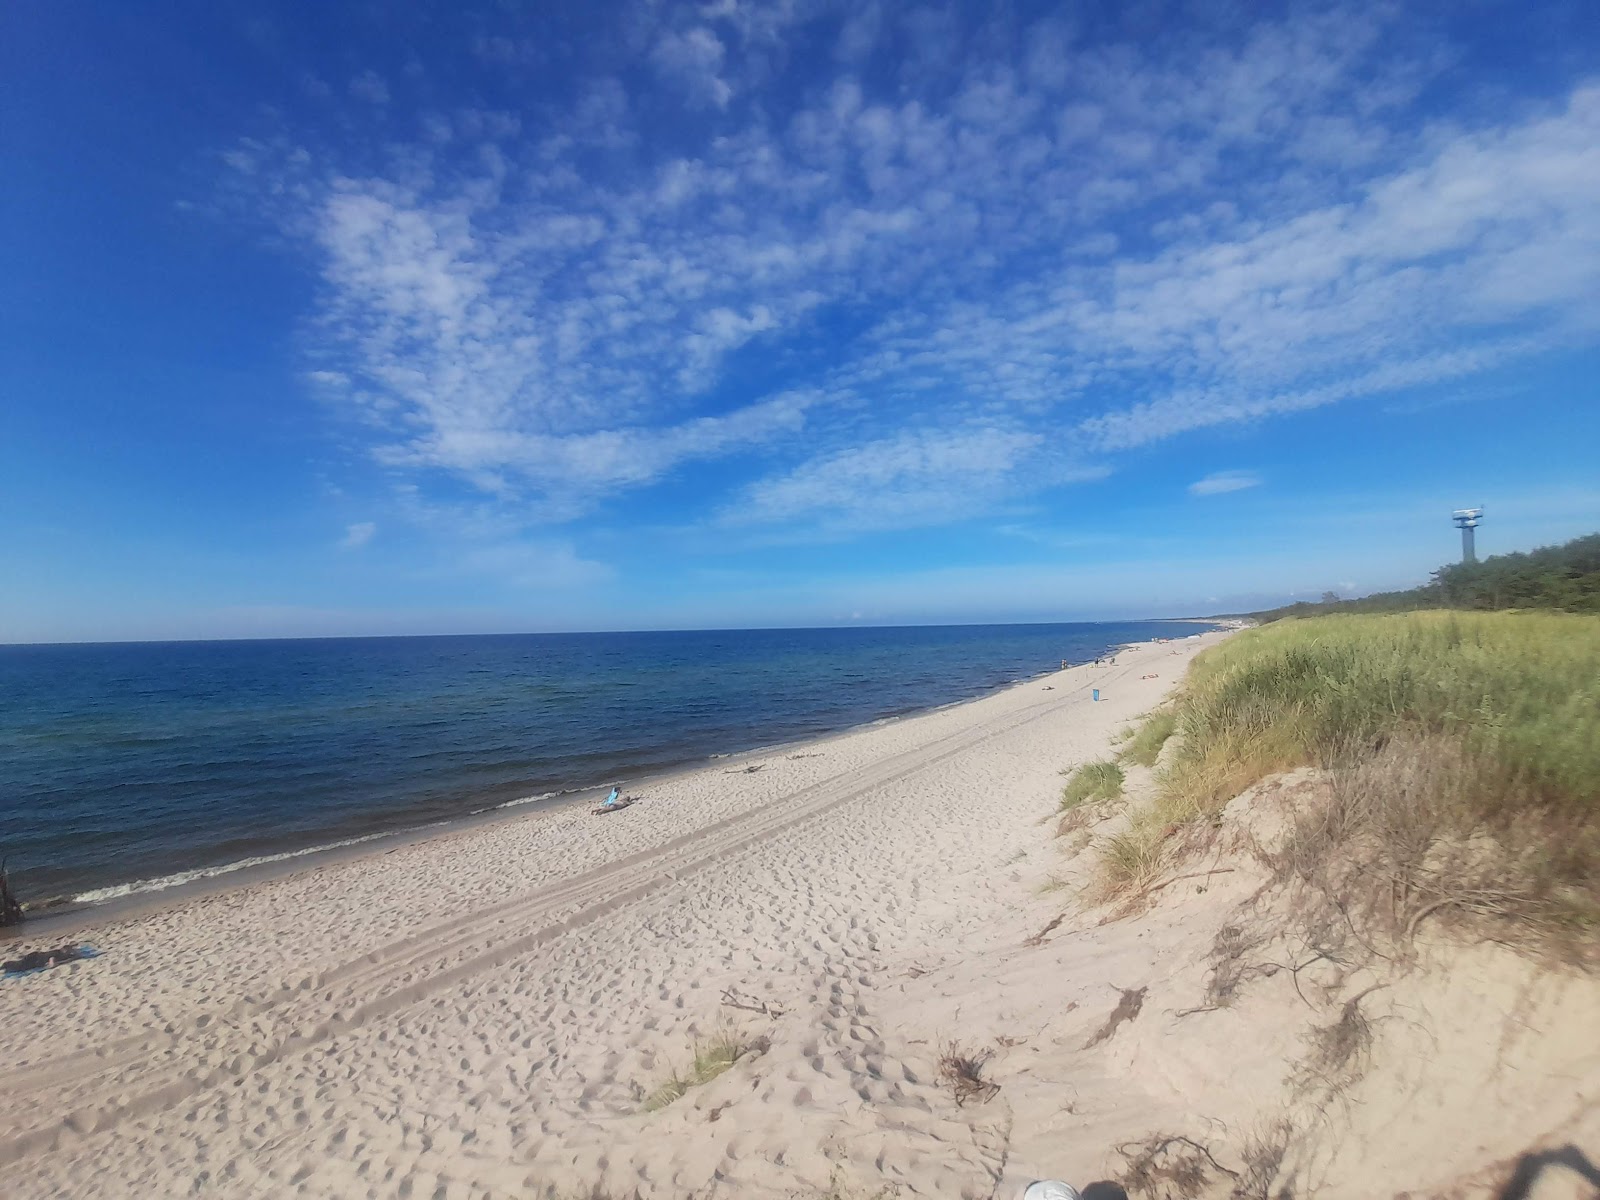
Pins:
x,y
711,1058
1145,745
1130,861
1092,782
1565,577
1464,750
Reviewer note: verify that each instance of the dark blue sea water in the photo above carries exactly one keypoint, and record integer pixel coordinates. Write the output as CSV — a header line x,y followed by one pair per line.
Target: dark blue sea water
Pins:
x,y
122,764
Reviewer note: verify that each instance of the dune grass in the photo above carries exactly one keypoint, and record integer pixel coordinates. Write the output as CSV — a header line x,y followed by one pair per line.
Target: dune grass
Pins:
x,y
1129,861
1521,690
1465,751
1092,782
1144,744
710,1058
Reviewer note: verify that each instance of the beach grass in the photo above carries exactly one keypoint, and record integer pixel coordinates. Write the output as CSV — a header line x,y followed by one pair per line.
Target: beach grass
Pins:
x,y
1091,783
1464,750
1129,861
1144,744
709,1059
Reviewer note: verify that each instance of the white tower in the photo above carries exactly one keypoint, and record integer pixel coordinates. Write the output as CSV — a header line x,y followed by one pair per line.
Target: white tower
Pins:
x,y
1466,520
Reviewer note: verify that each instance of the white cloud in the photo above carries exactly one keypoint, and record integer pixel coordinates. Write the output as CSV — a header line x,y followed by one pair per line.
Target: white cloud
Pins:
x,y
536,566
1025,258
692,60
1220,482
370,87
358,535
915,478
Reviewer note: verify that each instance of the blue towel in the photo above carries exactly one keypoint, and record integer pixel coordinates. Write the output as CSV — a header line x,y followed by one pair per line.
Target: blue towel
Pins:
x,y
83,953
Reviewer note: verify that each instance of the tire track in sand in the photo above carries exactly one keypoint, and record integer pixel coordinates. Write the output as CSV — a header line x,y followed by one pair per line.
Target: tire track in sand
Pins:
x,y
97,1090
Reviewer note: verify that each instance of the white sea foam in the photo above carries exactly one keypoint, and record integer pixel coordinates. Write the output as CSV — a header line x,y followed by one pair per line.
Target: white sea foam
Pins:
x,y
162,882
534,799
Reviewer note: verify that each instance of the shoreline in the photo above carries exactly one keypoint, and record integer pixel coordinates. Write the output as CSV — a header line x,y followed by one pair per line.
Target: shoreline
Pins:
x,y
62,915
485,1010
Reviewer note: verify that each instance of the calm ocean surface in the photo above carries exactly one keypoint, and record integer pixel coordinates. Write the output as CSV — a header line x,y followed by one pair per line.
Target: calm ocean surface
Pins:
x,y
126,764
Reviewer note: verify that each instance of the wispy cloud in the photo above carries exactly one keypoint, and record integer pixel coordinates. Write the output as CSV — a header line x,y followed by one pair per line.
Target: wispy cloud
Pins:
x,y
535,566
369,86
1220,482
901,298
358,535
692,60
918,477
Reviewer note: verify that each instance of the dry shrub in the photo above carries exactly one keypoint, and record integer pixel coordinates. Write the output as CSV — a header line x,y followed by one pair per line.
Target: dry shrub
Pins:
x,y
962,1072
1425,824
1339,1051
1264,1152
1228,967
1170,1167
1074,820
1129,862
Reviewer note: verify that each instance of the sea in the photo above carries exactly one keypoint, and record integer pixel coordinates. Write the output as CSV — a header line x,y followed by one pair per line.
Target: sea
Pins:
x,y
133,767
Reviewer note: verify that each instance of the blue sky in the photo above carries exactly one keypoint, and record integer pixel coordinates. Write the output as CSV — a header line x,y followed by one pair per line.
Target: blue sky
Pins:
x,y
335,319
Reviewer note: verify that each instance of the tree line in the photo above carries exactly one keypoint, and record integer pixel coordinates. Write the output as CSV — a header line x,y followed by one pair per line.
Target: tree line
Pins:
x,y
1565,577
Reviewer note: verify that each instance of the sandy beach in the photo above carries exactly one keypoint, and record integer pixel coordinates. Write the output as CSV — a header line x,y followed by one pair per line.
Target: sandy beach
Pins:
x,y
486,1012
482,1008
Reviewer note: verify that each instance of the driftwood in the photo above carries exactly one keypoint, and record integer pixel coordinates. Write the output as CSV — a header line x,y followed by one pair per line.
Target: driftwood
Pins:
x,y
10,911
733,998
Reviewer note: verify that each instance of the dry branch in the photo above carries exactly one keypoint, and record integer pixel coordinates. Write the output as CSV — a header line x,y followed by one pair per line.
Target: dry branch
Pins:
x,y
733,998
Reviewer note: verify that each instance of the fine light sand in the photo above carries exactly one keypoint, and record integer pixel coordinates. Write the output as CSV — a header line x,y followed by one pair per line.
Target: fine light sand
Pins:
x,y
483,1013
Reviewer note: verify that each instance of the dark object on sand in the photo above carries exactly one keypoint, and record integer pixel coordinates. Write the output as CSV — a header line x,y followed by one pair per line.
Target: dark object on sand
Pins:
x,y
10,910
38,960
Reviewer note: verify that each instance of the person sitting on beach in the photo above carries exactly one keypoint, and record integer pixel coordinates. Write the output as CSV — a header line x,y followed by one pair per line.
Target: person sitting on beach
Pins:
x,y
616,795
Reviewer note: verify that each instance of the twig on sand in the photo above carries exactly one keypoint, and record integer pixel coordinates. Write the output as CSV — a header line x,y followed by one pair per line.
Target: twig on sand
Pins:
x,y
733,998
1156,887
1038,938
1425,912
1153,1149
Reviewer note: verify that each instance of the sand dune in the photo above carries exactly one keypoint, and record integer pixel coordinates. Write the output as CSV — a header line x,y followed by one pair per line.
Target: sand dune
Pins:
x,y
485,1013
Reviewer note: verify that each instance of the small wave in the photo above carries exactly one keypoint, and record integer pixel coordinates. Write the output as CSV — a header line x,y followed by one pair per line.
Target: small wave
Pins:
x,y
521,800
162,882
